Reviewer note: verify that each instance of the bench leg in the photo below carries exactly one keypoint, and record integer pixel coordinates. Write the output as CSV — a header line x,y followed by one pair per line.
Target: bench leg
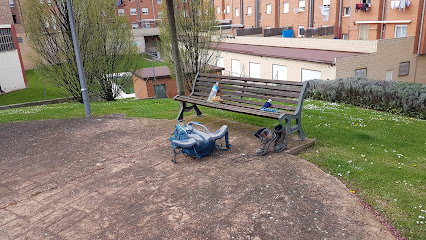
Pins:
x,y
287,127
300,132
182,110
199,114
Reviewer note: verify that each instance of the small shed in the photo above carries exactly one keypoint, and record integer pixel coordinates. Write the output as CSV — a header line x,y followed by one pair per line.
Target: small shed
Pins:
x,y
163,87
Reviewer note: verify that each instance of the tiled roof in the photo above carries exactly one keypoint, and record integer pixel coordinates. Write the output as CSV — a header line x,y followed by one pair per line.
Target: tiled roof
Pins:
x,y
310,55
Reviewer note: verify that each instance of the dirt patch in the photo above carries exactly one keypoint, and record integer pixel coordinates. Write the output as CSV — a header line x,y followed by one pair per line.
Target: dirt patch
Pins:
x,y
111,178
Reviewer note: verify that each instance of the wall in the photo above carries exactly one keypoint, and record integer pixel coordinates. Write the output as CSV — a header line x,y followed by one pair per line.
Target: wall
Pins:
x,y
11,73
16,10
310,43
153,9
421,70
146,88
294,67
5,13
390,53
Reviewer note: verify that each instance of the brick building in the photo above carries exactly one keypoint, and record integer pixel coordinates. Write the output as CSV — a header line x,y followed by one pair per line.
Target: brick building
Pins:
x,y
363,19
12,71
141,14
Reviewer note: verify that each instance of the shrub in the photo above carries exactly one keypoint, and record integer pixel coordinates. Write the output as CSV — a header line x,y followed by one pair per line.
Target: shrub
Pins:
x,y
407,99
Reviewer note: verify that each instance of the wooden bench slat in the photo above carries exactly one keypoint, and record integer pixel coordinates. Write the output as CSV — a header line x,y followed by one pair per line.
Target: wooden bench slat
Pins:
x,y
277,99
209,82
227,107
251,79
240,100
237,103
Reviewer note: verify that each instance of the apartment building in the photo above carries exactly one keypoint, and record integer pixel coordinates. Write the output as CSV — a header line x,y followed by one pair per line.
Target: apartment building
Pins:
x,y
358,19
142,14
11,71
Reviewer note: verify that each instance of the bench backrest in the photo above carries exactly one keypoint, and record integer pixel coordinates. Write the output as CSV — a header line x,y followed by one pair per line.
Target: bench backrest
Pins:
x,y
253,92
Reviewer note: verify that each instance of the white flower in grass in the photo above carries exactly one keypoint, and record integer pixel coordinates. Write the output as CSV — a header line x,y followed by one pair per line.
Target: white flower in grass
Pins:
x,y
350,161
362,155
339,174
386,150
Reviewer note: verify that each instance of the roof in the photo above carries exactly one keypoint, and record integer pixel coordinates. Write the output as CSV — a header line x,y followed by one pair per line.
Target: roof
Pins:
x,y
161,72
310,55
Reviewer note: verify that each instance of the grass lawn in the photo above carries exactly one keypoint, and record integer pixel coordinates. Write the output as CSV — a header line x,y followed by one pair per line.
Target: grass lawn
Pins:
x,y
382,157
35,92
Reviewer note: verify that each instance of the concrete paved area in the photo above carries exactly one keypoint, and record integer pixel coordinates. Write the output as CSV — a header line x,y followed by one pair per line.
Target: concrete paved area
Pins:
x,y
111,178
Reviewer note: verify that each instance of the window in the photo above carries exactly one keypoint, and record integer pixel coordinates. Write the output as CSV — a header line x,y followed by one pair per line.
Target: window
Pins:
x,y
228,9
389,74
308,74
363,32
237,12
279,72
146,25
235,68
346,11
361,73
132,11
260,17
160,15
121,12
6,40
345,36
254,70
20,40
144,11
14,19
185,13
135,25
249,11
302,4
301,31
268,9
159,1
218,10
286,7
11,3
404,68
326,3
400,31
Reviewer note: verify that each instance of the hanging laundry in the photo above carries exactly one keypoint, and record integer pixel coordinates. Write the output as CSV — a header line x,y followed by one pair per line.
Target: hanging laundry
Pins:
x,y
325,12
402,5
395,4
358,7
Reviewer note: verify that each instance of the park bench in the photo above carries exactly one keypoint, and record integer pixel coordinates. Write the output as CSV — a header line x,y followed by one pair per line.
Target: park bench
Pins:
x,y
248,95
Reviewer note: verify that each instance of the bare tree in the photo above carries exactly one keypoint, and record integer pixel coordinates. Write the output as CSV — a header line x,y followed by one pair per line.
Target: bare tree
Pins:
x,y
195,24
105,40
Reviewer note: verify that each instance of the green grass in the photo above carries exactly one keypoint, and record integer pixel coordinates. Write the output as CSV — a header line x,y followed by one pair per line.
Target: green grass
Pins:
x,y
35,91
382,157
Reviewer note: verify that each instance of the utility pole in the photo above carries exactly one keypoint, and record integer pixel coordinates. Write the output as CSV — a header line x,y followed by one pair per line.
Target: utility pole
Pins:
x,y
79,63
175,48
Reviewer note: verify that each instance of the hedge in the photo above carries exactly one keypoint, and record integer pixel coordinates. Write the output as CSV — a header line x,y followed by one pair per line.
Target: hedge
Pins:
x,y
403,98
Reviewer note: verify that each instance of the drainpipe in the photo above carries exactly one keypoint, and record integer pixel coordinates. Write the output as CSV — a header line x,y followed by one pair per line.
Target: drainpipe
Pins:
x,y
242,12
311,13
383,18
277,25
139,13
153,11
340,19
257,13
420,38
421,29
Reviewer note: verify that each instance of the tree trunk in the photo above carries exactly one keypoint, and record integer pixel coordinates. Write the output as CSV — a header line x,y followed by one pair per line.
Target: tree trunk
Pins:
x,y
175,48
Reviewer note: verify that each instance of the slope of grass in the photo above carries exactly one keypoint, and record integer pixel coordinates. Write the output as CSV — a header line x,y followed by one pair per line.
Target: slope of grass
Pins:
x,y
35,91
382,157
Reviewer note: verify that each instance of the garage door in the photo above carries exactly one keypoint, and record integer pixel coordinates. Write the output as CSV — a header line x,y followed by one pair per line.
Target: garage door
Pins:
x,y
235,68
308,74
254,70
279,72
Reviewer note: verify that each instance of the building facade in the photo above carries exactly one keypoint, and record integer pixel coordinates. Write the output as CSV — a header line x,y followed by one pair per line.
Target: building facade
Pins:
x,y
141,14
12,71
302,59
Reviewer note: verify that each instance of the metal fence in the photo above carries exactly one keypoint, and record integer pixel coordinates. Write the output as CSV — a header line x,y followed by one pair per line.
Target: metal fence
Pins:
x,y
322,31
275,31
249,31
